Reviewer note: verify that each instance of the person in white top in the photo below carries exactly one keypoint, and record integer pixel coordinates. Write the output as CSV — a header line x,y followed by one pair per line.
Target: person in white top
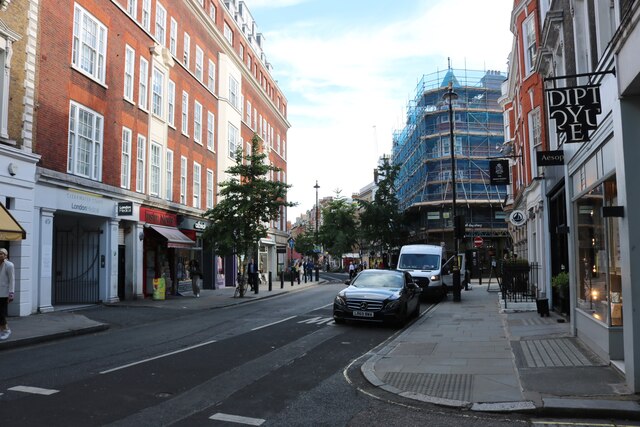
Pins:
x,y
7,289
352,270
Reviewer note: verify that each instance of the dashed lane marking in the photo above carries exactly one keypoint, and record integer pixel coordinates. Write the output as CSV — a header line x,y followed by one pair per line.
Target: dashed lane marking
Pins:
x,y
237,419
33,390
273,323
318,320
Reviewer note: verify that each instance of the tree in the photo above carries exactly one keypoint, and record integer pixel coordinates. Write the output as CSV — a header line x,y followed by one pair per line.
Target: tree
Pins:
x,y
382,223
248,201
305,243
339,229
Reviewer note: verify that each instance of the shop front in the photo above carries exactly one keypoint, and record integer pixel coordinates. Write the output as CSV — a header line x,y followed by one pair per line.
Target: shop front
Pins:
x,y
167,253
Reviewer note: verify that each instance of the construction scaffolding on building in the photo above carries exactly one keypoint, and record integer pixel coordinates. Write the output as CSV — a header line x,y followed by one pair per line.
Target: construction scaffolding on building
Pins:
x,y
422,149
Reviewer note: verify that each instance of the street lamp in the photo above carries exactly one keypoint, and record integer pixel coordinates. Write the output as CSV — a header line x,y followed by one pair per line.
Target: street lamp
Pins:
x,y
317,244
450,96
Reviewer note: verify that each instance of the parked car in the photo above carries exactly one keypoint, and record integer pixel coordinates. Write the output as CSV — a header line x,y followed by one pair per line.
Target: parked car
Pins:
x,y
389,296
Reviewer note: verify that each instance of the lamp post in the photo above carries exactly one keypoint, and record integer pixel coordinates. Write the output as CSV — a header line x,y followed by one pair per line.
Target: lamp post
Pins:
x,y
450,96
316,237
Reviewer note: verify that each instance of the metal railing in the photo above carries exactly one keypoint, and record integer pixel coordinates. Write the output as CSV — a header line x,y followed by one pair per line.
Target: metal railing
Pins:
x,y
518,281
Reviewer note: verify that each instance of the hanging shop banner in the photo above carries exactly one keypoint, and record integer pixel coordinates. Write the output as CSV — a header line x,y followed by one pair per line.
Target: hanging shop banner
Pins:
x,y
550,158
158,289
574,110
499,172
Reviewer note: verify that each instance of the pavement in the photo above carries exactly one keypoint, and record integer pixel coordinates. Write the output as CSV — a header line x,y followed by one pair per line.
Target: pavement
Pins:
x,y
470,354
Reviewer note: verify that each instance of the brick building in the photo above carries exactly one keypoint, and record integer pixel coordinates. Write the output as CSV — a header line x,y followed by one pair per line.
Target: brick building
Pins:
x,y
141,105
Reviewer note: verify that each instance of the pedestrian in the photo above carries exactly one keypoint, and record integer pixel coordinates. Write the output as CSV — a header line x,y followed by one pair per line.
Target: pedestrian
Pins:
x,y
352,270
310,269
252,273
196,274
7,289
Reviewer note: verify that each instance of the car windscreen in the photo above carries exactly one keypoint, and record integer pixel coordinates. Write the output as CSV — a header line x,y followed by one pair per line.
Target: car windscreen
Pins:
x,y
378,281
419,261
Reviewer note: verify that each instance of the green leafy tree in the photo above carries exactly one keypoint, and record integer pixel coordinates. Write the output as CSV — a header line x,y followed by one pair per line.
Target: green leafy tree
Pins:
x,y
248,201
339,230
381,222
305,243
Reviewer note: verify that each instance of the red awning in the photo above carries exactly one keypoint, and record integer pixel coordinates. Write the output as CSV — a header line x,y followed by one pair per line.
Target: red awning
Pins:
x,y
175,238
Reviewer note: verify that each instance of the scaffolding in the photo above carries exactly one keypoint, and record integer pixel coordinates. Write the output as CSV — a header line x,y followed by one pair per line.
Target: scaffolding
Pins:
x,y
422,149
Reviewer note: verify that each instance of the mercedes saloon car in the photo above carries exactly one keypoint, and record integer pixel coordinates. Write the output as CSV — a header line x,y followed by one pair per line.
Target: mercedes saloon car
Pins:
x,y
388,296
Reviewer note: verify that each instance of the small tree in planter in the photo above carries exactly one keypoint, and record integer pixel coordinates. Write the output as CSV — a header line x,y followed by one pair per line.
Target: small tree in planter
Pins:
x,y
560,284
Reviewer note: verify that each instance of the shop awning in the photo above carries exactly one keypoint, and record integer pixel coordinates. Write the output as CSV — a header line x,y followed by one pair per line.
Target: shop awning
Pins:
x,y
9,227
175,238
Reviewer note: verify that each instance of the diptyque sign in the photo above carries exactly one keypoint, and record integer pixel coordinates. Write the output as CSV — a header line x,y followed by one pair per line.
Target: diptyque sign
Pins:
x,y
499,172
550,158
574,110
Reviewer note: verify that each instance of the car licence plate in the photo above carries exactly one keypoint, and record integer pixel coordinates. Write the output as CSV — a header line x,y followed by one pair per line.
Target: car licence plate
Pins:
x,y
363,314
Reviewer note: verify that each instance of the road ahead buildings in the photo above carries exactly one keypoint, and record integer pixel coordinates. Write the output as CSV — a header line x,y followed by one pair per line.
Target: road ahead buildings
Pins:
x,y
132,110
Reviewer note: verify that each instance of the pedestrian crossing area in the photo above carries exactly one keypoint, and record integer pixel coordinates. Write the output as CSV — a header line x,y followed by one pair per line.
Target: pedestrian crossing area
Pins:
x,y
318,321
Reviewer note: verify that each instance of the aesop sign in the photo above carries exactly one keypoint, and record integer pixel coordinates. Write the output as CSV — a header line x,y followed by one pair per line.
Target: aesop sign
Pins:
x,y
575,109
499,172
550,158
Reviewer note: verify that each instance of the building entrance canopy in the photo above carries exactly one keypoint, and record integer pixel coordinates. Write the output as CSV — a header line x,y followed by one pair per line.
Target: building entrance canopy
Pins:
x,y
175,238
9,227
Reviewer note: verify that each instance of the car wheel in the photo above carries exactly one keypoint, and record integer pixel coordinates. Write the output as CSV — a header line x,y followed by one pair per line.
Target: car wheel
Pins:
x,y
416,311
338,321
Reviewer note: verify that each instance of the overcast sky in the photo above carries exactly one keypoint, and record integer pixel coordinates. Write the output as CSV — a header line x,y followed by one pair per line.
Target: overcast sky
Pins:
x,y
348,69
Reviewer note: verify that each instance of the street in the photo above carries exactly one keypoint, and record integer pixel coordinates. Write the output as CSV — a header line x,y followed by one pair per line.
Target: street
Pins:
x,y
276,361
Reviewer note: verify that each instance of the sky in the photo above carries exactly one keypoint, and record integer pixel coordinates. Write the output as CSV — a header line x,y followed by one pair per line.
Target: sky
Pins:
x,y
349,68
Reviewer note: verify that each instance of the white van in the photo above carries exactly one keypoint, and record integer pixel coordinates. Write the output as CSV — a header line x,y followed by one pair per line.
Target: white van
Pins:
x,y
424,263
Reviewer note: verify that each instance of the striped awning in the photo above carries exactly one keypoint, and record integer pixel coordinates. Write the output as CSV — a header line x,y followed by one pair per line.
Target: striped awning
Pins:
x,y
9,227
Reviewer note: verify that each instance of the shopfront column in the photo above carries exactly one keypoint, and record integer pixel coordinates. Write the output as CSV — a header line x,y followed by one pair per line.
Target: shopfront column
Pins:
x,y
138,257
44,278
112,262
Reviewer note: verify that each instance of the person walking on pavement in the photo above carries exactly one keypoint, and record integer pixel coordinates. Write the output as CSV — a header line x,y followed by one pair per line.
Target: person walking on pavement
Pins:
x,y
196,274
310,270
252,273
352,270
7,289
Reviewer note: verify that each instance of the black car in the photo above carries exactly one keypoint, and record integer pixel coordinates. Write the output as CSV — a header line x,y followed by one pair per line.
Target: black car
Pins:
x,y
378,296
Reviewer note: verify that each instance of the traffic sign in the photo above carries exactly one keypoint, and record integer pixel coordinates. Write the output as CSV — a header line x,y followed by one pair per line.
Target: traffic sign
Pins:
x,y
478,241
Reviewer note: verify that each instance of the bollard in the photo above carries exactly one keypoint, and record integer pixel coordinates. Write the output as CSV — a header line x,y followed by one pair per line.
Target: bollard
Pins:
x,y
270,283
317,274
282,279
305,277
292,279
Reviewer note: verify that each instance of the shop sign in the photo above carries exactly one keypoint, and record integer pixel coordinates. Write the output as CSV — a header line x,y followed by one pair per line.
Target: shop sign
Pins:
x,y
517,218
499,172
575,109
199,225
157,217
550,158
125,208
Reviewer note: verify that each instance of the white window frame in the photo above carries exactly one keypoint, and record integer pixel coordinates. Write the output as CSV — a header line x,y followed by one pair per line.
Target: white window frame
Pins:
x,y
185,113
228,33
197,184
169,175
234,89
183,180
212,11
129,72
199,63
143,84
209,200
141,162
197,122
89,50
132,8
157,93
186,51
232,139
125,163
146,14
529,43
89,145
210,131
155,169
173,37
171,103
248,113
211,76
161,24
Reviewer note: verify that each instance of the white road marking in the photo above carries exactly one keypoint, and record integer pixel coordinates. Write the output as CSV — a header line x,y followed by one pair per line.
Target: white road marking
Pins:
x,y
324,306
34,390
273,323
237,419
157,357
317,320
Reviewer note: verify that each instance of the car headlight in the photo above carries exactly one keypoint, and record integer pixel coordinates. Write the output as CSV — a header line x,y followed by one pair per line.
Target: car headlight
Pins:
x,y
340,300
435,277
392,305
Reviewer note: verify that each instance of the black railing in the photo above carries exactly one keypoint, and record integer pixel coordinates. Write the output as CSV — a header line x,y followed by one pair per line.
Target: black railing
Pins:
x,y
519,281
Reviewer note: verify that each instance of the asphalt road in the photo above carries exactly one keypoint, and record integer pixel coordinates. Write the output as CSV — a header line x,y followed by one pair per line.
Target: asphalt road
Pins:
x,y
276,362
